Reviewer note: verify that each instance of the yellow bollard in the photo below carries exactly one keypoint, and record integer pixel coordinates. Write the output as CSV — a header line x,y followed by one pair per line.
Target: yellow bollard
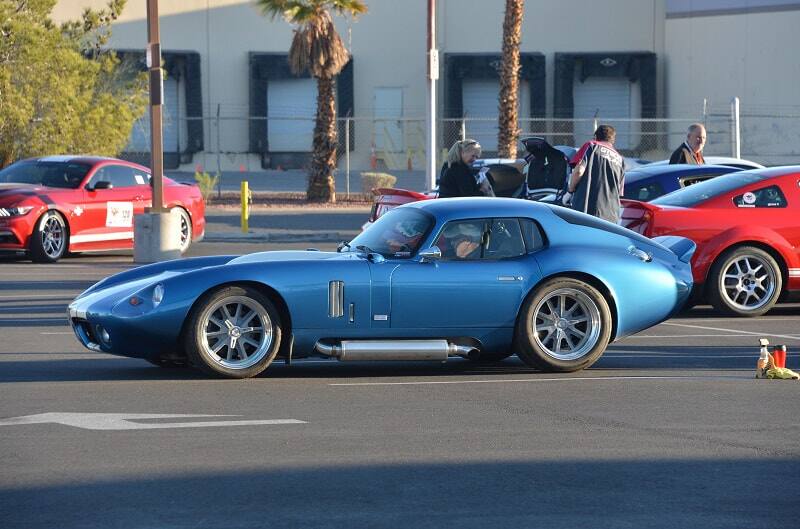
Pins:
x,y
245,206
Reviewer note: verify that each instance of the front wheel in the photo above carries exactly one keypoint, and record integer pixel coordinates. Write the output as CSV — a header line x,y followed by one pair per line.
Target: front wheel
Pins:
x,y
48,241
234,332
564,325
744,281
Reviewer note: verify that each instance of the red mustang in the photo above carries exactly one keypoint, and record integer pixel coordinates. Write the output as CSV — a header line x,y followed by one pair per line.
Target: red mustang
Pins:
x,y
747,229
56,204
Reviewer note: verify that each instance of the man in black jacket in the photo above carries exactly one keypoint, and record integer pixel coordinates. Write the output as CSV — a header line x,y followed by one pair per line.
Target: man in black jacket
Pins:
x,y
691,151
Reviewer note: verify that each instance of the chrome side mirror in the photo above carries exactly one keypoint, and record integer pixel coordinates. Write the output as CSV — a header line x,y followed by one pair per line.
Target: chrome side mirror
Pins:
x,y
430,254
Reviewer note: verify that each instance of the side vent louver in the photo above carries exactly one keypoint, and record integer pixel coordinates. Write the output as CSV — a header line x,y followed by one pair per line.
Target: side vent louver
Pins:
x,y
336,299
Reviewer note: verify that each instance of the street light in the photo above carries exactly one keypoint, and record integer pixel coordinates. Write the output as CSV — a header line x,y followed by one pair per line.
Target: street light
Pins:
x,y
156,233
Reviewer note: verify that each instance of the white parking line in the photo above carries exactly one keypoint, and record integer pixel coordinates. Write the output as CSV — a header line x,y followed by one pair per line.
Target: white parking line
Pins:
x,y
691,336
509,380
791,337
42,320
23,297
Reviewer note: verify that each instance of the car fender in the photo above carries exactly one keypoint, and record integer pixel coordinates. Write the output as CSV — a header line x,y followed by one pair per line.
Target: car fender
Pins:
x,y
737,236
612,269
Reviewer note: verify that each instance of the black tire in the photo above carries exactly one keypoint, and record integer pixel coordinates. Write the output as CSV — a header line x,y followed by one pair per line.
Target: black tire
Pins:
x,y
50,238
573,308
255,341
185,230
744,281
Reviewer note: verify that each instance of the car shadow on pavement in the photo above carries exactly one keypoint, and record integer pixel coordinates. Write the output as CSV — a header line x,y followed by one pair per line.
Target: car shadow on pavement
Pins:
x,y
662,492
652,360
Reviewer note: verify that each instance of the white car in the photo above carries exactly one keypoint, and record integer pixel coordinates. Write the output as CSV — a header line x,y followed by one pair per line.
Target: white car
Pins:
x,y
723,160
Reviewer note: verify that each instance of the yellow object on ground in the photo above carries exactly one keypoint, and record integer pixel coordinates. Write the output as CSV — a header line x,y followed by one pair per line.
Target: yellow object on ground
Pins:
x,y
782,373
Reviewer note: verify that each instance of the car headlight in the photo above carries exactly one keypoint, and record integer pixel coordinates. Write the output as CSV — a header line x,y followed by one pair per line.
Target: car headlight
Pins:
x,y
158,294
15,211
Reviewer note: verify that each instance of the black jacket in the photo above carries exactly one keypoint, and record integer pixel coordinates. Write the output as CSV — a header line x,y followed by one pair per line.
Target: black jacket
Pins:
x,y
459,181
684,154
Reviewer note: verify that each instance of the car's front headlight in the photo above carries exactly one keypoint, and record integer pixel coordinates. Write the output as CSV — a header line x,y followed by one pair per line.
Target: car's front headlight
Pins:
x,y
16,211
158,294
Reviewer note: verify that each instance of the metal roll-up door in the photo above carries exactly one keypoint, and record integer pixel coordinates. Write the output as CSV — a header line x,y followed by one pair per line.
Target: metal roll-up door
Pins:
x,y
480,99
610,99
173,123
291,110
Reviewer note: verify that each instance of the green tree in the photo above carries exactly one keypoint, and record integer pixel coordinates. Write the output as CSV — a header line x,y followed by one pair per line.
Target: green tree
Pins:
x,y
60,91
508,132
318,48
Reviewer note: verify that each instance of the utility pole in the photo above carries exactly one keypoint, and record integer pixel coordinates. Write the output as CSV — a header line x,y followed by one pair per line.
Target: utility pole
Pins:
x,y
156,97
433,76
156,233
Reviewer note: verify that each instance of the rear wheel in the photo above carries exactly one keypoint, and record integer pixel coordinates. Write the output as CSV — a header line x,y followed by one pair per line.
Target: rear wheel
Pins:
x,y
234,332
564,325
48,241
745,281
186,230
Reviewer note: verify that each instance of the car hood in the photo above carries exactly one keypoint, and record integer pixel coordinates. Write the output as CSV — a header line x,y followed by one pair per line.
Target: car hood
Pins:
x,y
290,255
11,193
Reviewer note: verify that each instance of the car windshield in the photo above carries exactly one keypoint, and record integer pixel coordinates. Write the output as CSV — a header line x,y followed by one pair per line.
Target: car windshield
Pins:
x,y
695,194
67,175
398,233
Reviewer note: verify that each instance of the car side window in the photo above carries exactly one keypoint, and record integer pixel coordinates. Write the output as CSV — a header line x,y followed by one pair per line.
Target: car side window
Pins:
x,y
462,240
644,192
504,239
119,176
766,197
532,235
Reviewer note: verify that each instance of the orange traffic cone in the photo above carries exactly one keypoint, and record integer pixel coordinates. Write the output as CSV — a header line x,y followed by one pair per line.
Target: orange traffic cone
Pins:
x,y
373,158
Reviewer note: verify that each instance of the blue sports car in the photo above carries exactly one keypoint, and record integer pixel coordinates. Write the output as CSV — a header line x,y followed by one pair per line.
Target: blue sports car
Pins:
x,y
473,277
649,182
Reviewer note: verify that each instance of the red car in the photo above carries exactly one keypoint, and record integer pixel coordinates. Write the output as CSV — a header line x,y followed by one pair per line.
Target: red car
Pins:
x,y
58,204
747,229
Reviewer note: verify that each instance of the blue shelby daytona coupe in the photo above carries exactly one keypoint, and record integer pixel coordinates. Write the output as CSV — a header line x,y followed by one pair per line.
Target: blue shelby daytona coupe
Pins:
x,y
479,278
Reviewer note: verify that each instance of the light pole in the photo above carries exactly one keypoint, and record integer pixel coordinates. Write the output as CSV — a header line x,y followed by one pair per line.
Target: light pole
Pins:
x,y
156,233
156,97
433,75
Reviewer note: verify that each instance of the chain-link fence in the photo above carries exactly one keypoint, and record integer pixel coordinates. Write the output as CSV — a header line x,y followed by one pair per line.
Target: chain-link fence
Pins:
x,y
228,142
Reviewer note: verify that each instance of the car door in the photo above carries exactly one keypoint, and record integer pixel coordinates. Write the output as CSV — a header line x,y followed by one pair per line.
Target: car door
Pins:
x,y
481,288
109,211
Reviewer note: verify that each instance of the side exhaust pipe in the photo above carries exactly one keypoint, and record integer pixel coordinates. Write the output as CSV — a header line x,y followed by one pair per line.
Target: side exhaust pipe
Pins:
x,y
359,350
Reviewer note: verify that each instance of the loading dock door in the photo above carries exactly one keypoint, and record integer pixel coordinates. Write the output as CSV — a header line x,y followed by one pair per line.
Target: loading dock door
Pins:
x,y
480,100
607,98
291,109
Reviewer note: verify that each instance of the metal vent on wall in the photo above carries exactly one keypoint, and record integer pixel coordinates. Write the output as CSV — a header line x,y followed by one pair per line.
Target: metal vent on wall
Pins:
x,y
336,299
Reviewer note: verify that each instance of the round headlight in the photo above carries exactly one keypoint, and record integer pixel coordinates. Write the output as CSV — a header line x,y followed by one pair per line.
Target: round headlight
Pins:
x,y
158,294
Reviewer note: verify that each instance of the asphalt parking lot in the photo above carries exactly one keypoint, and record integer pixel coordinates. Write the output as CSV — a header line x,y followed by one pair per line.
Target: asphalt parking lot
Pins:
x,y
668,429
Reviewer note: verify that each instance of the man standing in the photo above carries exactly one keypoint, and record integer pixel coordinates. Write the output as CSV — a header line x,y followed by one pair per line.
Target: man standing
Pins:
x,y
691,151
598,176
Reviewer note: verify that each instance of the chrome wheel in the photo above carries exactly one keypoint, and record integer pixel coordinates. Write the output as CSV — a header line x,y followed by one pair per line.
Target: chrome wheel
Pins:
x,y
53,233
237,332
748,282
566,324
186,232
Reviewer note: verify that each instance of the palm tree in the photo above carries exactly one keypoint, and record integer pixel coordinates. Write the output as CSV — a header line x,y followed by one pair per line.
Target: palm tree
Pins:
x,y
318,48
509,80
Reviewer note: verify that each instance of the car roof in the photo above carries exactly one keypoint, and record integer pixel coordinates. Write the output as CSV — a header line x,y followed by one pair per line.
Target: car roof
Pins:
x,y
470,207
677,171
78,158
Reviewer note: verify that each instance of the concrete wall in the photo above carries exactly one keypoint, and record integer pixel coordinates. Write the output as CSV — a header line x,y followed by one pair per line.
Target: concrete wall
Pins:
x,y
749,55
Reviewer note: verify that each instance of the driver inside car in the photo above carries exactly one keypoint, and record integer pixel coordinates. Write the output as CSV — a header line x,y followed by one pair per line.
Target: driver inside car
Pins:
x,y
461,240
